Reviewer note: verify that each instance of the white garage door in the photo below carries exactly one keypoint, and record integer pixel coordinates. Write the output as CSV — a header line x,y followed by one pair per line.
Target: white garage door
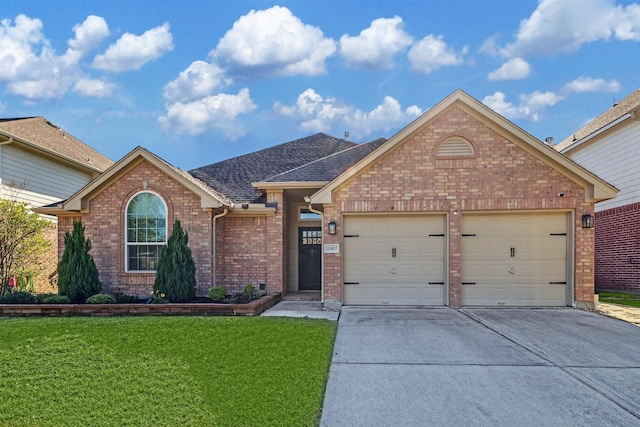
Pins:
x,y
394,260
514,259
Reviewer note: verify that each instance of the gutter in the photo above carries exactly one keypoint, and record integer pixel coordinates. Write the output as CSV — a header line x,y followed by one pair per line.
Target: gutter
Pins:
x,y
213,245
576,144
7,142
308,200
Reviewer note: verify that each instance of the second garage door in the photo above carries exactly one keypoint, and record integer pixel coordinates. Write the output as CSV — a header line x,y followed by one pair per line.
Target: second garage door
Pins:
x,y
514,259
394,260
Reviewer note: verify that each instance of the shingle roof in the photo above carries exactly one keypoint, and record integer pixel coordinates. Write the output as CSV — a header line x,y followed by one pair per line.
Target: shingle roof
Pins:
x,y
49,137
328,168
233,177
623,107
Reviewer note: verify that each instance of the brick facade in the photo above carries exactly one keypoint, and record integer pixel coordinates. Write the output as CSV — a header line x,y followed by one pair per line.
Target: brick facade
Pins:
x,y
500,177
618,248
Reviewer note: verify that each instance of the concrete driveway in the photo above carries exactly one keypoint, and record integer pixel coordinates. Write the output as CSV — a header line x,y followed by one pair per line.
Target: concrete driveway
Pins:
x,y
483,367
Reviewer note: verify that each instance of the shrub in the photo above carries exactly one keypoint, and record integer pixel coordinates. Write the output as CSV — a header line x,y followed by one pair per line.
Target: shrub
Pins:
x,y
158,297
176,274
17,298
101,299
126,299
53,299
77,272
218,293
249,290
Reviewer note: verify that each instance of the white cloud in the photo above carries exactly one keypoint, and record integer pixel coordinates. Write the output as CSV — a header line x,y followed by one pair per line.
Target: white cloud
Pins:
x,y
564,26
91,88
131,52
432,53
533,105
200,79
273,42
513,69
17,45
588,84
216,112
376,46
89,34
317,114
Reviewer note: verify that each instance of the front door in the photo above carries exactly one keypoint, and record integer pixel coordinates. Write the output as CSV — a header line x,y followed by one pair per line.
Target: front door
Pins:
x,y
309,258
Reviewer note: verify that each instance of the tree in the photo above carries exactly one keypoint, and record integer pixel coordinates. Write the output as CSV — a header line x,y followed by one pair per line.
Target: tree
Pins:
x,y
176,274
77,272
21,240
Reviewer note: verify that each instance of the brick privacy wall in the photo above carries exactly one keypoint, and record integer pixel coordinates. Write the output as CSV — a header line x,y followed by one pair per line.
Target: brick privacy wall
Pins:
x,y
47,263
618,248
105,226
501,176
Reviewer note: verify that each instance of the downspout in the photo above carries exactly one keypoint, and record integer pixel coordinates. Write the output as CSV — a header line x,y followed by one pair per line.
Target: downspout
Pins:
x,y
7,142
308,200
213,245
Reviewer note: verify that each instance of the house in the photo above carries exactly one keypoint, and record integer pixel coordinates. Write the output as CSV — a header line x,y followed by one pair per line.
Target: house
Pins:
x,y
609,146
461,207
42,164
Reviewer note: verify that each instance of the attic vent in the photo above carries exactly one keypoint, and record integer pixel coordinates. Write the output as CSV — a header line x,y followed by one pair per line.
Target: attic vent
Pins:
x,y
453,147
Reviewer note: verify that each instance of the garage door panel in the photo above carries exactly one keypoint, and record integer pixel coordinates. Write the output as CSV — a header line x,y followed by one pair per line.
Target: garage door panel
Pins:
x,y
391,260
514,259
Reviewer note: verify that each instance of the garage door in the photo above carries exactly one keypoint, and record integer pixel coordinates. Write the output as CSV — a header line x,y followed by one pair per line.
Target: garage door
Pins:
x,y
394,260
514,260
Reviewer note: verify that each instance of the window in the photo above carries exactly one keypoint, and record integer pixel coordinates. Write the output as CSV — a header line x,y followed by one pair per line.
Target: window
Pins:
x,y
146,231
306,215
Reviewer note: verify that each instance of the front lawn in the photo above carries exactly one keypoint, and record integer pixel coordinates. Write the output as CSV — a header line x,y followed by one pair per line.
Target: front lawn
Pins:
x,y
163,371
620,298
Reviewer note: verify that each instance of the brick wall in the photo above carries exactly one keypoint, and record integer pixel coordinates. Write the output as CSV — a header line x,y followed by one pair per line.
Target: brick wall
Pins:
x,y
618,248
105,226
47,263
501,177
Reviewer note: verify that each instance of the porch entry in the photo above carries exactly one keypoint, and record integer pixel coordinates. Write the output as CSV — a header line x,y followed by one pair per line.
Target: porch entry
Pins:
x,y
309,258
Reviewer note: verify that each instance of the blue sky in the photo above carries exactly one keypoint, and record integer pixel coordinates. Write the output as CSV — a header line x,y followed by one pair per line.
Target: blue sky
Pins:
x,y
200,81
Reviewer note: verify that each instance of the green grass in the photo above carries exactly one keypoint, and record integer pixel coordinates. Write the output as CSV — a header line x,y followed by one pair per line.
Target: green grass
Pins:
x,y
620,298
163,371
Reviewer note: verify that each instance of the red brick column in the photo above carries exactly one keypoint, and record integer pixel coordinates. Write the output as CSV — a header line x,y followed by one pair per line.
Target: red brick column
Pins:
x,y
455,263
275,244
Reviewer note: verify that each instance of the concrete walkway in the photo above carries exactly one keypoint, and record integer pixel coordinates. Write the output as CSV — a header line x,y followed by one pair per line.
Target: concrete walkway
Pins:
x,y
622,312
310,309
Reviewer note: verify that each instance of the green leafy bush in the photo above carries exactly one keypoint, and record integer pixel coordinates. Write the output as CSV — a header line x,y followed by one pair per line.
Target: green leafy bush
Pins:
x,y
17,298
53,299
101,299
77,272
218,293
159,297
127,299
176,274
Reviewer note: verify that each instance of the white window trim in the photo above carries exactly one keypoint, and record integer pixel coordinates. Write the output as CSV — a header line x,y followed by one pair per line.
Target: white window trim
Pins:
x,y
126,242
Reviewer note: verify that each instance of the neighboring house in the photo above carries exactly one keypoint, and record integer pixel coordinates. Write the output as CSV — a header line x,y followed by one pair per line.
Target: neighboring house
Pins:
x,y
42,164
461,207
609,146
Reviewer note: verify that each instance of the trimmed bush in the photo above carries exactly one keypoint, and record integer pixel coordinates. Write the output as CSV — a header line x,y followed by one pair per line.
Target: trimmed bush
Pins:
x,y
17,298
53,299
218,293
77,272
127,299
176,274
101,299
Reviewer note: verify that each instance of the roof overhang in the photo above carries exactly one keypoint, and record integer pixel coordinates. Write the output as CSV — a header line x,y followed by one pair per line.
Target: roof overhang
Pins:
x,y
290,185
7,138
633,115
595,188
79,202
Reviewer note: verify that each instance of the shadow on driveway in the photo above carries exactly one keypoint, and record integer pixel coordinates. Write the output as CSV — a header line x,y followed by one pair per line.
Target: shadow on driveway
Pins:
x,y
483,367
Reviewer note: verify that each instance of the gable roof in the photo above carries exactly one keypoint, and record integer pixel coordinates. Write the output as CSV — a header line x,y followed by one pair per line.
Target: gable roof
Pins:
x,y
595,188
629,107
233,177
42,135
209,197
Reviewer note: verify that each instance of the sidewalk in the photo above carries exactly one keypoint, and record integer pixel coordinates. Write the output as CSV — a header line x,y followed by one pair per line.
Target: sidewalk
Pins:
x,y
622,312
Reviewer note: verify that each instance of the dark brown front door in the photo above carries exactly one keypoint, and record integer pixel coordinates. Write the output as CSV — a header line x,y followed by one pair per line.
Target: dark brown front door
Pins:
x,y
309,258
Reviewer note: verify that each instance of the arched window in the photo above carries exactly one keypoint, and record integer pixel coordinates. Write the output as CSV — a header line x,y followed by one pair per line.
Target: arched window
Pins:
x,y
146,231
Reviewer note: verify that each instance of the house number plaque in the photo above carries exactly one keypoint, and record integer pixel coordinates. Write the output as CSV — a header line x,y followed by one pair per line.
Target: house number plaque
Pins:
x,y
332,248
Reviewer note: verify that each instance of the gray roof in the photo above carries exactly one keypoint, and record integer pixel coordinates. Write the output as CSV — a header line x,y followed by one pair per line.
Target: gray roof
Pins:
x,y
46,136
330,167
233,177
628,104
